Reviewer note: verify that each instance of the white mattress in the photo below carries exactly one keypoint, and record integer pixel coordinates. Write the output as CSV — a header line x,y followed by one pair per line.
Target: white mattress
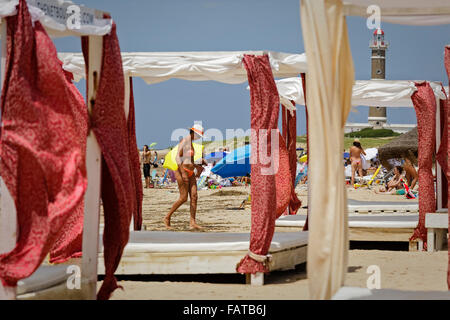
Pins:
x,y
168,241
355,205
43,278
353,293
359,221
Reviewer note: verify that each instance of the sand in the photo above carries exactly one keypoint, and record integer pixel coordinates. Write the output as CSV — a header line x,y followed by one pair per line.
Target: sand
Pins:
x,y
216,213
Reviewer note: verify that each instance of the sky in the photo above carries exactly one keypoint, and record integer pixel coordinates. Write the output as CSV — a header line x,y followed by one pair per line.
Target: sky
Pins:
x,y
415,53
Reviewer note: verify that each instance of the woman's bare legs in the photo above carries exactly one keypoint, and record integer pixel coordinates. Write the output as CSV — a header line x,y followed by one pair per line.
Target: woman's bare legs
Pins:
x,y
353,173
183,187
193,197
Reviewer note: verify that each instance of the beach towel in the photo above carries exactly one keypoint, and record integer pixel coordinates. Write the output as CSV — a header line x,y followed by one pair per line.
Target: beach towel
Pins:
x,y
110,126
166,172
201,183
425,105
43,136
270,193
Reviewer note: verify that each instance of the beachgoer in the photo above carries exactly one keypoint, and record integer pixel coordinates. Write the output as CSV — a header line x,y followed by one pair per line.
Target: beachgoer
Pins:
x,y
396,183
155,160
411,174
145,160
186,175
355,157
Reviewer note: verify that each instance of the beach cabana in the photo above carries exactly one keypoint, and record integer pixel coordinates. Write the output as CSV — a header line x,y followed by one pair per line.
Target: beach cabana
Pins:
x,y
330,66
259,68
387,93
37,90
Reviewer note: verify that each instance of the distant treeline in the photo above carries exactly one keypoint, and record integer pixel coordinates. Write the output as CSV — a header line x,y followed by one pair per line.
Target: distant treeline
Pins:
x,y
372,133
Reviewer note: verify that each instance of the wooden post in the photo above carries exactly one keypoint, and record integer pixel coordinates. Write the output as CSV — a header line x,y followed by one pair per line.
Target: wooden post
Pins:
x,y
8,214
92,196
256,279
430,239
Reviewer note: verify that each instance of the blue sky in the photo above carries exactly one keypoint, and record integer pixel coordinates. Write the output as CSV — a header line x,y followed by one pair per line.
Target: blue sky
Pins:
x,y
213,25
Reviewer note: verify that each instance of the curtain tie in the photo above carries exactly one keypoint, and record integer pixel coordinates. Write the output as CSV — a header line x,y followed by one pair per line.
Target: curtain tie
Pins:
x,y
265,259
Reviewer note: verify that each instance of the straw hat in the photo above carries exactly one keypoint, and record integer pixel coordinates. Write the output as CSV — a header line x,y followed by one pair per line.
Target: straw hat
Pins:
x,y
356,140
198,129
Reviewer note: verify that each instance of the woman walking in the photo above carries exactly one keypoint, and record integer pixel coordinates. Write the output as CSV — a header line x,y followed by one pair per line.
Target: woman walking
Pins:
x,y
186,175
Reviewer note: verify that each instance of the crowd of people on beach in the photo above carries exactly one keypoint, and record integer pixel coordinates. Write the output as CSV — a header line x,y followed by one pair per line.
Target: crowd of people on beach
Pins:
x,y
400,177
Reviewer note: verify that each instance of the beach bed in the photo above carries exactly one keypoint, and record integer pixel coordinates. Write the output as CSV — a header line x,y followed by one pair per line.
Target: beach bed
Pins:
x,y
437,228
356,206
47,282
374,227
166,252
354,293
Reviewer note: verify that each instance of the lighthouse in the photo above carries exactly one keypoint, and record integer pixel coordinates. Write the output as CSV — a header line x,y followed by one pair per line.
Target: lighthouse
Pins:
x,y
377,115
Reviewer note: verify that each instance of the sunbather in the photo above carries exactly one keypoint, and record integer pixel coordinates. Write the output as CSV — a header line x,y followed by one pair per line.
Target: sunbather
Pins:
x,y
355,157
411,175
396,183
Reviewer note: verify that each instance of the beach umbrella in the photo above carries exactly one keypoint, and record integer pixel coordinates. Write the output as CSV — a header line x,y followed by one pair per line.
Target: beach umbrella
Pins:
x,y
170,158
303,158
235,164
405,145
215,156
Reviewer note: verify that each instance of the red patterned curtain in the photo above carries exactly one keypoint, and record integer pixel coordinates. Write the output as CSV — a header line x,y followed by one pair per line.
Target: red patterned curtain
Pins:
x,y
447,67
111,129
425,105
441,156
290,136
43,145
270,192
134,163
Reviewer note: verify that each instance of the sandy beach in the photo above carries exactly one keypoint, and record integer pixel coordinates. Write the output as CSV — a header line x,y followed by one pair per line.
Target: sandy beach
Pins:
x,y
415,271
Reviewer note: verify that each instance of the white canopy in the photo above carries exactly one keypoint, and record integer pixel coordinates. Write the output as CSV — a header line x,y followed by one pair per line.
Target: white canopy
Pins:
x,y
409,12
54,17
375,93
225,67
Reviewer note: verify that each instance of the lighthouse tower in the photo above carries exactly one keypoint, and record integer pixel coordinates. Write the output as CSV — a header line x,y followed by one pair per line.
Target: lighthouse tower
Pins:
x,y
377,115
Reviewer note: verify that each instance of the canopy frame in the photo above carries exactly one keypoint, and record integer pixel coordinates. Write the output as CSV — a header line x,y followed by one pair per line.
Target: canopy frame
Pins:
x,y
8,214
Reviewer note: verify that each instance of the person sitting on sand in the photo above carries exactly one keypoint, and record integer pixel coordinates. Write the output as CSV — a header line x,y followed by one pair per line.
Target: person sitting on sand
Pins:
x,y
396,183
355,157
186,175
411,174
